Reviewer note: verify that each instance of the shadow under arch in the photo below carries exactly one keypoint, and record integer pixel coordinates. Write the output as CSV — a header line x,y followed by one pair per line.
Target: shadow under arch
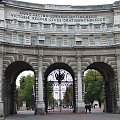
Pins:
x,y
109,83
58,65
10,76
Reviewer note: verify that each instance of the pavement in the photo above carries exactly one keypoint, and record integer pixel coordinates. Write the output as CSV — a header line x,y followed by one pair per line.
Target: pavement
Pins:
x,y
96,114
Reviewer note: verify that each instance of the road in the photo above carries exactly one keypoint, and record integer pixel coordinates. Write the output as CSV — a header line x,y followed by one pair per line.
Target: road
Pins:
x,y
96,114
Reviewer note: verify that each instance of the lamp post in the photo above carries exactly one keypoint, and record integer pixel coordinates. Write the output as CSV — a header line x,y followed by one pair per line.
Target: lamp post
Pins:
x,y
59,76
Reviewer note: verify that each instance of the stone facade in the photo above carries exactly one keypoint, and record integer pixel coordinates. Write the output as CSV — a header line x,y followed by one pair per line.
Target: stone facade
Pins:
x,y
38,37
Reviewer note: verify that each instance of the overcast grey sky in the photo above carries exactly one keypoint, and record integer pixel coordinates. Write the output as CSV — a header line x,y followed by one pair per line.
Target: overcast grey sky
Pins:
x,y
72,2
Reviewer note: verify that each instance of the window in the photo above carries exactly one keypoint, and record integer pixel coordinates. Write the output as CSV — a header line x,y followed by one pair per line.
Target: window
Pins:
x,y
110,25
110,41
47,41
21,39
59,42
78,42
8,37
71,42
41,42
71,26
97,41
53,25
46,25
85,42
77,25
59,26
21,24
34,25
8,21
1,21
96,26
33,40
84,26
118,26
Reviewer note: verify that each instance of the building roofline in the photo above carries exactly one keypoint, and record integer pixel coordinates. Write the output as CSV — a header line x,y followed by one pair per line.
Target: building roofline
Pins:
x,y
60,8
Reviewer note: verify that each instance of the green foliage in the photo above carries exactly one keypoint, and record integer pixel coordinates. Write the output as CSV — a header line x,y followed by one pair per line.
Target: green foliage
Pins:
x,y
68,96
25,91
94,88
50,93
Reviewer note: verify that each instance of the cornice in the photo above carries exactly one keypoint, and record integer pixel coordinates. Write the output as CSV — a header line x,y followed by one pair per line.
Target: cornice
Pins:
x,y
59,48
98,47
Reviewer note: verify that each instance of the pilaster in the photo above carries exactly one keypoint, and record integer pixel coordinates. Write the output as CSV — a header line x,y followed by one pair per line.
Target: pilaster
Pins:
x,y
1,76
118,78
80,103
40,103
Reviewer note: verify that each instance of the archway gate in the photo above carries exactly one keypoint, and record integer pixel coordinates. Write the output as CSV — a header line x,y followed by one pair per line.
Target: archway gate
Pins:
x,y
38,59
59,83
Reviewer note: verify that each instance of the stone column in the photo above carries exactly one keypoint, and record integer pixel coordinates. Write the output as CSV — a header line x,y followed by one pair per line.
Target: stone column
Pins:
x,y
40,102
1,85
80,103
118,79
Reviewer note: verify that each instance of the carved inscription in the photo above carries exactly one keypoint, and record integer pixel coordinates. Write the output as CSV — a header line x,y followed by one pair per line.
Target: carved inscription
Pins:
x,y
42,17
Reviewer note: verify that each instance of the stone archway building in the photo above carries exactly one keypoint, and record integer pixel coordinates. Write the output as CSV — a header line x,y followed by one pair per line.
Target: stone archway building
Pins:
x,y
35,36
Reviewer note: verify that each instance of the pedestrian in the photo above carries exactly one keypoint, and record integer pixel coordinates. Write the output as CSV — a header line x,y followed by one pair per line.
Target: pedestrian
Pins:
x,y
89,108
86,107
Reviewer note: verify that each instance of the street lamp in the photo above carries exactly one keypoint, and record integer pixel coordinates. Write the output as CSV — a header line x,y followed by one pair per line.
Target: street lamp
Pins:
x,y
59,76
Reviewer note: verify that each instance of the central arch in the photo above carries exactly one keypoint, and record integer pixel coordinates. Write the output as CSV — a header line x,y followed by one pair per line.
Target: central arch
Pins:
x,y
62,66
109,83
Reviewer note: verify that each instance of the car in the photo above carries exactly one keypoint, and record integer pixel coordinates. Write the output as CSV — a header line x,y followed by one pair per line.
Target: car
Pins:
x,y
50,107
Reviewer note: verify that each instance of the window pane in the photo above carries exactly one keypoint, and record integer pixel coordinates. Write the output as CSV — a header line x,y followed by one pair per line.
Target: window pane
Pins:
x,y
21,39
8,37
71,26
84,26
46,25
21,24
33,40
59,42
71,42
59,26
97,41
96,26
78,42
85,42
41,42
34,25
47,41
110,41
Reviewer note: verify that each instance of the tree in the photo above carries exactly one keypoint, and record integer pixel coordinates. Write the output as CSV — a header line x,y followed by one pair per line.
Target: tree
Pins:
x,y
25,91
50,93
94,89
68,96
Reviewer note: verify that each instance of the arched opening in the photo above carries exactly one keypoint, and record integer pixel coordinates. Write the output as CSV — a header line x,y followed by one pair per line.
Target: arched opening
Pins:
x,y
10,93
25,93
59,80
94,96
108,75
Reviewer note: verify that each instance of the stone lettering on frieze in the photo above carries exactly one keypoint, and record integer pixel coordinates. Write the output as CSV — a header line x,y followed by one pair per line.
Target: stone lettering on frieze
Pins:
x,y
56,18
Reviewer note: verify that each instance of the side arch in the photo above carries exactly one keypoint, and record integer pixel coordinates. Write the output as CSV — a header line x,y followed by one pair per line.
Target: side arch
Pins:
x,y
10,75
86,61
110,85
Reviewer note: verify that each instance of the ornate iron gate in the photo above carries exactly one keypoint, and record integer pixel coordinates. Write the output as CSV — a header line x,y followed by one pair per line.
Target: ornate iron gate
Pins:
x,y
59,91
